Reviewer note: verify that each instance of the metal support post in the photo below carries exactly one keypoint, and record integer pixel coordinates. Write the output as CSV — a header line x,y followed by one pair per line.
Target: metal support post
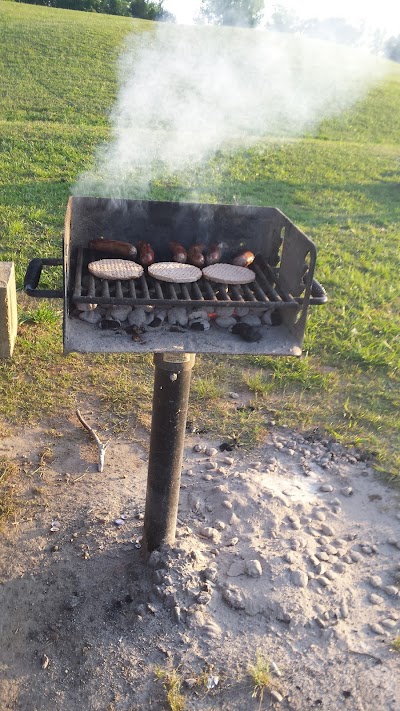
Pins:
x,y
170,403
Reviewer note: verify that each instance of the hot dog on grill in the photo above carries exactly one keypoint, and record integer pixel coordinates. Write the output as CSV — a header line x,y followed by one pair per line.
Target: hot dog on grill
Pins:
x,y
213,254
244,259
123,249
146,254
179,252
195,255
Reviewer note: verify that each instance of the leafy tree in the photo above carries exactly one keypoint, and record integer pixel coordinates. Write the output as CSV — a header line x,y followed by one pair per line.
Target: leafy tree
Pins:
x,y
392,48
149,10
245,13
145,9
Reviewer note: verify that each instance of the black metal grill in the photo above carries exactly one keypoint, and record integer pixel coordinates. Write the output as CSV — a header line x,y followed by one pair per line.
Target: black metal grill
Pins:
x,y
264,292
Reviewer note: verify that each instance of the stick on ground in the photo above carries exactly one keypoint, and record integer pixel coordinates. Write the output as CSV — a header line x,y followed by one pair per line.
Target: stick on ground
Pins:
x,y
100,446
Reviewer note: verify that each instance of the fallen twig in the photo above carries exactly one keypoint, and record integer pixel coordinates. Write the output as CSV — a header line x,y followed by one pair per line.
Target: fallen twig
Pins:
x,y
100,446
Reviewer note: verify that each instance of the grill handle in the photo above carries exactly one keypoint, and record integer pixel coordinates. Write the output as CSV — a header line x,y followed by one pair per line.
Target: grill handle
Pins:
x,y
32,278
318,295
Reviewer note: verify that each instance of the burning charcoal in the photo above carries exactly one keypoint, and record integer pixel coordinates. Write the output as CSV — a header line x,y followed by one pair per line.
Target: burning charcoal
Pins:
x,y
109,324
266,318
137,317
242,311
177,315
120,313
227,322
225,312
251,320
276,318
251,334
199,325
85,307
198,314
156,319
155,323
90,316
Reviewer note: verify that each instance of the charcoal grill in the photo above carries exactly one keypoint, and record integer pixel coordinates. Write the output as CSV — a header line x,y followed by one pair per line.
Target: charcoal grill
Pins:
x,y
284,285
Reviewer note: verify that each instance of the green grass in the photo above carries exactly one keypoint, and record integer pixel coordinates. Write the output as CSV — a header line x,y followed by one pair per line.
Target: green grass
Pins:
x,y
340,185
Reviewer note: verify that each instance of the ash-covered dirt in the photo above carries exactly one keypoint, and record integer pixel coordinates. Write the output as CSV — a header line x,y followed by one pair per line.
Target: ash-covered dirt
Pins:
x,y
290,551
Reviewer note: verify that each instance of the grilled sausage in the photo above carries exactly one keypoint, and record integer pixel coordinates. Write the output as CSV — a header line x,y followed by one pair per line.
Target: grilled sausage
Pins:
x,y
244,259
213,254
195,255
123,249
146,254
179,252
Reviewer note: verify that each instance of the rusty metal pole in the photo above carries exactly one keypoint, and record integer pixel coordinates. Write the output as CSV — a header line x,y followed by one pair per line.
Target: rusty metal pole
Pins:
x,y
170,402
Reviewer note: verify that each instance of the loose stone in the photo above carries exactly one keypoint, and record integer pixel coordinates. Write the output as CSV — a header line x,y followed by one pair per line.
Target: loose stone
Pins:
x,y
228,460
326,488
346,491
375,599
289,557
299,578
321,555
320,516
367,550
313,532
355,556
324,581
211,465
198,448
296,525
234,598
340,568
275,695
330,575
211,451
390,590
233,396
233,541
344,611
389,624
203,598
339,543
375,581
208,532
377,629
336,510
327,530
227,504
331,550
253,568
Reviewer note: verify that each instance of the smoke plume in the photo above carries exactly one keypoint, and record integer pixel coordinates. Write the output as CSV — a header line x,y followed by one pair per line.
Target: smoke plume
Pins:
x,y
185,93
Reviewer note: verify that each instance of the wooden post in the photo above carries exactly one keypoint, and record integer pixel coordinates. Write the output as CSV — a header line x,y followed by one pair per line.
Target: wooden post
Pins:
x,y
8,309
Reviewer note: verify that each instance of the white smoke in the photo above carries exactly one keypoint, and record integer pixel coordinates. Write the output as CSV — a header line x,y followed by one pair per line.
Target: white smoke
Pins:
x,y
184,94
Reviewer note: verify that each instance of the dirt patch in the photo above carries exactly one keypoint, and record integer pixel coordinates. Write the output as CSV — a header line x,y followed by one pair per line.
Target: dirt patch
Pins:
x,y
291,550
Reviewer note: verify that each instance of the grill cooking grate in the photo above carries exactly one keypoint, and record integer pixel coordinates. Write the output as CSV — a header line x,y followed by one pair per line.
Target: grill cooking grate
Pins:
x,y
263,292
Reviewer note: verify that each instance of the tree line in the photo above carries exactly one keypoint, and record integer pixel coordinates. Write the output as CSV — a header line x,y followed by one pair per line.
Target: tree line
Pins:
x,y
244,13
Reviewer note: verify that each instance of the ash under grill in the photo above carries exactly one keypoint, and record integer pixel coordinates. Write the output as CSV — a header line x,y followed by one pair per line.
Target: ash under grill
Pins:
x,y
264,292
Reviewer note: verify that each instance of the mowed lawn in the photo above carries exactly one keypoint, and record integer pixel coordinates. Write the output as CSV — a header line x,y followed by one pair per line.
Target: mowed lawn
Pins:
x,y
340,185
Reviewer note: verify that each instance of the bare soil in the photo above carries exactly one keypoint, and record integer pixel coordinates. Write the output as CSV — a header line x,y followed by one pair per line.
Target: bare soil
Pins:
x,y
265,562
